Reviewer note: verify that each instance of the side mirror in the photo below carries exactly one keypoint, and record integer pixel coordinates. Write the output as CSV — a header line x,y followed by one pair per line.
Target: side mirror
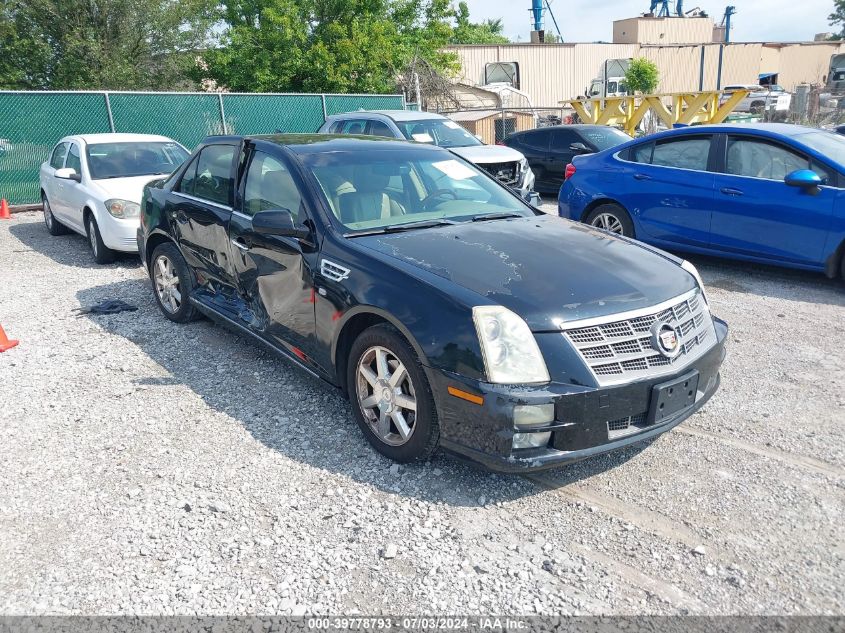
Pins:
x,y
532,198
580,148
68,173
278,222
804,178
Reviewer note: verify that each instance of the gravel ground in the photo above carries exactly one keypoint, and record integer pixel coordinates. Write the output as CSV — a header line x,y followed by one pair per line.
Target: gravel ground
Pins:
x,y
151,468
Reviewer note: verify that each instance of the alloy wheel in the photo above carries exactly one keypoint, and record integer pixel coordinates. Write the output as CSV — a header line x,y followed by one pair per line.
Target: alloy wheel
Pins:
x,y
92,237
48,214
386,396
167,284
608,222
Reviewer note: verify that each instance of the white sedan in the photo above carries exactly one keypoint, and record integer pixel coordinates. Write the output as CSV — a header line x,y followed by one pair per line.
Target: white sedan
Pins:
x,y
92,184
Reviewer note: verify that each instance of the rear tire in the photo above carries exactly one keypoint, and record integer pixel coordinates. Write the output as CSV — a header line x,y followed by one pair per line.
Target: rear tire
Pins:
x,y
102,253
390,395
173,283
54,227
611,217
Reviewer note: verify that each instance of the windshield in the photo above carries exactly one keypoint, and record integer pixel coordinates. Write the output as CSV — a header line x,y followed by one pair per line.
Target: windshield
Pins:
x,y
606,137
442,132
826,143
372,191
124,160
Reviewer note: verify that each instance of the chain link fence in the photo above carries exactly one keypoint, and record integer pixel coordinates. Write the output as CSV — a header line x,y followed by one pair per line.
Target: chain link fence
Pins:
x,y
33,122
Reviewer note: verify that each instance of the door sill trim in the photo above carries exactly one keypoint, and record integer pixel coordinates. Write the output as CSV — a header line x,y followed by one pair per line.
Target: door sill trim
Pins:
x,y
214,314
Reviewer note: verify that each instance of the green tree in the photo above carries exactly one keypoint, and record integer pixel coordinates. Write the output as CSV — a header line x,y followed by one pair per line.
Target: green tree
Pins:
x,y
837,18
327,45
100,44
466,32
642,76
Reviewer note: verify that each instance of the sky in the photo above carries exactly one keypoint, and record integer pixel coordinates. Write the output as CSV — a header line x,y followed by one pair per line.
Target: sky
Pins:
x,y
591,20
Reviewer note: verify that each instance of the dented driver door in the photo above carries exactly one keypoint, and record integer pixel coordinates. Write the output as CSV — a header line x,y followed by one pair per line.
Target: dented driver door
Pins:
x,y
273,273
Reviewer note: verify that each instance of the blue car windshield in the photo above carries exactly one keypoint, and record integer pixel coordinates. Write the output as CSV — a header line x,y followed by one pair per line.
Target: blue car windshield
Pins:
x,y
369,191
825,143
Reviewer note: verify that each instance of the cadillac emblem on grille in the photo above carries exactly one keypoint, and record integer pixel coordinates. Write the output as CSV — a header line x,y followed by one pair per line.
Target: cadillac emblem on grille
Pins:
x,y
665,339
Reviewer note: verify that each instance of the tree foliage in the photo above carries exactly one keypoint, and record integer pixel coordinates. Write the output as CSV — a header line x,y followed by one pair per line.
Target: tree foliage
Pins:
x,y
239,45
642,76
837,18
466,32
328,45
102,44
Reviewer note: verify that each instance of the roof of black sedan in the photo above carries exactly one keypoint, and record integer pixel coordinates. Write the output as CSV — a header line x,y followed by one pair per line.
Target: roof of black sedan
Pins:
x,y
313,143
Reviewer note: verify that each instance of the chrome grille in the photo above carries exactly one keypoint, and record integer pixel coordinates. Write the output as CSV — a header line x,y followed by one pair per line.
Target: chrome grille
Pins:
x,y
616,350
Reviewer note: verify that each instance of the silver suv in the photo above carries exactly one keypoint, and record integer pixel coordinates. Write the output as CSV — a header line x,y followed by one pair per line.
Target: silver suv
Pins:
x,y
505,164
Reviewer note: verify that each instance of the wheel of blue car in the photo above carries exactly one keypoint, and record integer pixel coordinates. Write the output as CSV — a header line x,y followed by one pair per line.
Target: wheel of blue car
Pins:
x,y
390,395
611,217
54,227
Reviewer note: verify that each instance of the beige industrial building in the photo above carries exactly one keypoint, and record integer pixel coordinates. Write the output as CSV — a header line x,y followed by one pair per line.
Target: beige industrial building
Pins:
x,y
682,48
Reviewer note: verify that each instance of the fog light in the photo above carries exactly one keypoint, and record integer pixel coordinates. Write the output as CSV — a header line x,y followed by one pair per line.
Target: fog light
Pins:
x,y
531,440
533,415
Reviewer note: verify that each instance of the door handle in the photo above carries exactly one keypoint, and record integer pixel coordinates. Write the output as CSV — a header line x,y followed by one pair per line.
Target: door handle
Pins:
x,y
641,177
240,243
729,191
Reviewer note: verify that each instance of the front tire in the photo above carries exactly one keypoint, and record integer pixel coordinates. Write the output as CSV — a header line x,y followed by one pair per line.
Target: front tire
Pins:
x,y
172,283
390,395
102,253
611,217
54,227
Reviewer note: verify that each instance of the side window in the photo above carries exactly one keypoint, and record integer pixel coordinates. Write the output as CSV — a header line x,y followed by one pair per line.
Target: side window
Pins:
x,y
214,181
641,153
563,138
685,153
58,157
186,185
352,126
380,128
73,158
536,141
269,185
760,159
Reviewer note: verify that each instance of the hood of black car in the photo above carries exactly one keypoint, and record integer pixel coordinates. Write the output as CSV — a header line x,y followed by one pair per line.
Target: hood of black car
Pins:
x,y
546,269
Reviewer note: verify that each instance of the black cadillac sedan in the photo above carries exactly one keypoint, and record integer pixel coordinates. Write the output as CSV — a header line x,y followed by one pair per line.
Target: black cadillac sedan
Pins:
x,y
452,313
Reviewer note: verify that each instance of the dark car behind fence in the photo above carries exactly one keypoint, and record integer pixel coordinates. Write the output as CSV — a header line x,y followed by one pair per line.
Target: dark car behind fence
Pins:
x,y
32,122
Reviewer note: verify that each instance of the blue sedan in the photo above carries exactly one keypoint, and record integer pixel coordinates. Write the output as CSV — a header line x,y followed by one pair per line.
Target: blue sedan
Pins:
x,y
772,193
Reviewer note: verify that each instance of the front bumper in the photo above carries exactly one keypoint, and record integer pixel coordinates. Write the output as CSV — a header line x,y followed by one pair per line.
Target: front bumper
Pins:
x,y
119,234
484,433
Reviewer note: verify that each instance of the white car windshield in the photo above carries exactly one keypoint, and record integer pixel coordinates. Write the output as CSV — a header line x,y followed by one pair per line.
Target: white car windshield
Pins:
x,y
127,159
394,190
441,132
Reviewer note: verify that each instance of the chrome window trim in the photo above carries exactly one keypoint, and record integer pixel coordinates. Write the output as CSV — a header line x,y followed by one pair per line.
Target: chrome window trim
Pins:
x,y
188,196
630,314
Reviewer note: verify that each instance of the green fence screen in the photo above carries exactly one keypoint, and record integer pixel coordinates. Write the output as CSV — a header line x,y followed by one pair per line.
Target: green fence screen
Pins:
x,y
31,123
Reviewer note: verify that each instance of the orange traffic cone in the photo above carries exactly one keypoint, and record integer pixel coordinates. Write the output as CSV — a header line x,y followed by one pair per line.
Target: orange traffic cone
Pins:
x,y
5,343
4,210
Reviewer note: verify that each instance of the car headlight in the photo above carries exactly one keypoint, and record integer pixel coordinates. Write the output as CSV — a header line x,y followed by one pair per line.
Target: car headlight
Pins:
x,y
692,270
123,208
510,351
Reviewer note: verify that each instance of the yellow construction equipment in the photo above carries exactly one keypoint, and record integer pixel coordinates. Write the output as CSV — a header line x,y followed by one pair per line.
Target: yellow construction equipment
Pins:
x,y
685,108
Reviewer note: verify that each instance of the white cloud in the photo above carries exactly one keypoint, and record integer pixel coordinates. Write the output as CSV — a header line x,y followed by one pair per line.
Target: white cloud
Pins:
x,y
589,21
